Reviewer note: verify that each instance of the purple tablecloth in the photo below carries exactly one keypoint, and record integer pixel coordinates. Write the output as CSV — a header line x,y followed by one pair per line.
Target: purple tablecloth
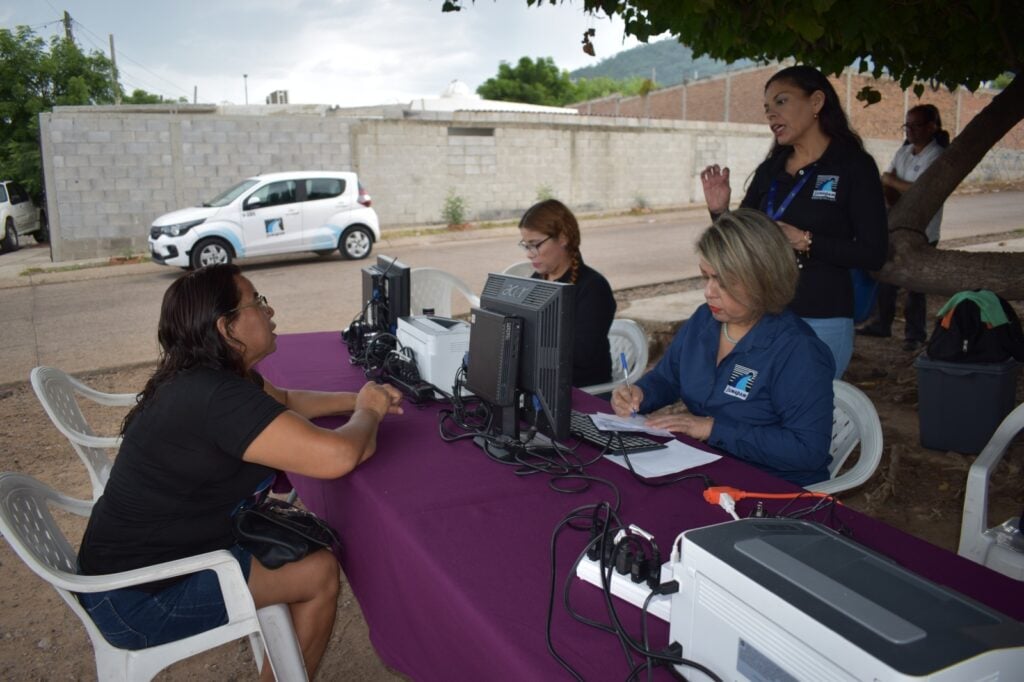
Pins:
x,y
448,551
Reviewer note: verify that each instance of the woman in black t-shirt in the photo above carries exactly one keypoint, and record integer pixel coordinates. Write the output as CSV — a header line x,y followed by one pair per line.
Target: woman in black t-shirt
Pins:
x,y
207,432
550,236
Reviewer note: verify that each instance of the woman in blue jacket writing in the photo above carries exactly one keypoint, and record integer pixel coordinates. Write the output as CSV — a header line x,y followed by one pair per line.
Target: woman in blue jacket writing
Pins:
x,y
755,379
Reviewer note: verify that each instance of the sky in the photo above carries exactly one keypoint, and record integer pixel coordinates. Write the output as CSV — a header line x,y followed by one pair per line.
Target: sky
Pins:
x,y
336,52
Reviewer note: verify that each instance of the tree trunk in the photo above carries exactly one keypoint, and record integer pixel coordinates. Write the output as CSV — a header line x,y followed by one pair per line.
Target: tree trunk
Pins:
x,y
911,263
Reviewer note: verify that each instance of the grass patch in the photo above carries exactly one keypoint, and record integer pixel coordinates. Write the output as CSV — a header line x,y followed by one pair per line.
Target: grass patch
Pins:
x,y
88,265
62,268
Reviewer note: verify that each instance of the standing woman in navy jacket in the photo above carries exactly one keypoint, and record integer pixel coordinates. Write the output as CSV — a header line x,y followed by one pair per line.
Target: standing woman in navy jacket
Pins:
x,y
824,191
550,235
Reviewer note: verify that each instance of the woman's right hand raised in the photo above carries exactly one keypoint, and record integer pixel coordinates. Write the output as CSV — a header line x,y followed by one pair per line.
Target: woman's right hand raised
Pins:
x,y
626,399
380,398
717,192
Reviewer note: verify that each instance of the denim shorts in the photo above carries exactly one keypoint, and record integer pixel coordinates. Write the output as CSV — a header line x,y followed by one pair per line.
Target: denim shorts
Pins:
x,y
837,333
134,619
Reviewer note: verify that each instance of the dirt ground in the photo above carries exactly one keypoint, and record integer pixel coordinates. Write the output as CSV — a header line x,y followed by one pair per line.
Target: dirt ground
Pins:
x,y
915,489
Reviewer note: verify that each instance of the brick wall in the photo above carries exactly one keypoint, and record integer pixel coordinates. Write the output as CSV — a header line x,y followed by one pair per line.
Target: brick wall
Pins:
x,y
705,100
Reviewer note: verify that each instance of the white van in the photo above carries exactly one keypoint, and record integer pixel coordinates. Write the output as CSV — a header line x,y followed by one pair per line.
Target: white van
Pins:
x,y
268,214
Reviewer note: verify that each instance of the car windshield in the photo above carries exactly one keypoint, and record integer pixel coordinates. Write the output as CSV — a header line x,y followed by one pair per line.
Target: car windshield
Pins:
x,y
227,197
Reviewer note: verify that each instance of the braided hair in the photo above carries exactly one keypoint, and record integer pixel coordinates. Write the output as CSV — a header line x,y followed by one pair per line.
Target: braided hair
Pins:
x,y
553,219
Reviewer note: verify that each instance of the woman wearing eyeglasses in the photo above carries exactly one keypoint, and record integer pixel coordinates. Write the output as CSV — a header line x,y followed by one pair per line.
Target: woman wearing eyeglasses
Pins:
x,y
206,433
550,236
926,140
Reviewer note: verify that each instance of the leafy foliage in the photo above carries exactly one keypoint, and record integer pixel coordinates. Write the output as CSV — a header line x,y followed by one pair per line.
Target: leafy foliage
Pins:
x,y
34,78
954,43
455,209
595,88
529,81
541,82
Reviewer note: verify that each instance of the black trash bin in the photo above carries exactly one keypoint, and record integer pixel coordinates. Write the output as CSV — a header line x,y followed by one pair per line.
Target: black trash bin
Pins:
x,y
960,404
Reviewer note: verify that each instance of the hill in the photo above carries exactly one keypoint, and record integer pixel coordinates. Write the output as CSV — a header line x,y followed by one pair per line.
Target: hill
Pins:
x,y
668,60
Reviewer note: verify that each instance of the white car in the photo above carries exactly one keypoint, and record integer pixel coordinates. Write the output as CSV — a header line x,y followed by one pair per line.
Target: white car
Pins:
x,y
19,216
269,214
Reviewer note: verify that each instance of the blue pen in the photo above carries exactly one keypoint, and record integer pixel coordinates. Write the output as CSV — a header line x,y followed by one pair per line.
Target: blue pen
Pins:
x,y
625,373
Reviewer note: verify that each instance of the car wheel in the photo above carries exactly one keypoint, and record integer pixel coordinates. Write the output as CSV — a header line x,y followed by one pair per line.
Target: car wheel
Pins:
x,y
210,252
356,243
42,235
10,240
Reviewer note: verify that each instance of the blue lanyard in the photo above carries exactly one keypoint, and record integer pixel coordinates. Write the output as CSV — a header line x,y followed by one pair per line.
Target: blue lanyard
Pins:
x,y
772,213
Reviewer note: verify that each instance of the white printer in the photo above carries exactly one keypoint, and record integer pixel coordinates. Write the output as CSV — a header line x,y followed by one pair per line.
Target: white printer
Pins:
x,y
787,600
438,344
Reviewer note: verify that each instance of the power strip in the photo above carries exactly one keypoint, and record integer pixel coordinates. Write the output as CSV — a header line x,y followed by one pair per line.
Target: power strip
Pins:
x,y
627,590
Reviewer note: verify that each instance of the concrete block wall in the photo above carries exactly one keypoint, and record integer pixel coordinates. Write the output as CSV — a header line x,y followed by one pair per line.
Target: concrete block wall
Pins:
x,y
110,171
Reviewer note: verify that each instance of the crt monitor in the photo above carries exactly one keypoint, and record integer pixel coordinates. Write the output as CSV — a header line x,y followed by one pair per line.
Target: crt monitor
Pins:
x,y
386,293
545,313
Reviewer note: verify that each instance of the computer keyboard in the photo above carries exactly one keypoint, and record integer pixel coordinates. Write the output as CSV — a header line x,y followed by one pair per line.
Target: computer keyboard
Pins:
x,y
611,442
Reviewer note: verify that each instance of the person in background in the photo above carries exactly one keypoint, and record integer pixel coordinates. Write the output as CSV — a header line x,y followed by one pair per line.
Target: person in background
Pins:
x,y
824,192
755,379
926,140
550,235
206,433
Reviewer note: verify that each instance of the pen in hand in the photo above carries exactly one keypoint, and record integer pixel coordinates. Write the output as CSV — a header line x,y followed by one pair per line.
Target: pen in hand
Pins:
x,y
625,373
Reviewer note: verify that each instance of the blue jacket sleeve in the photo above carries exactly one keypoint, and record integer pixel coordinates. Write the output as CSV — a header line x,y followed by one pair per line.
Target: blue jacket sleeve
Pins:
x,y
661,385
801,393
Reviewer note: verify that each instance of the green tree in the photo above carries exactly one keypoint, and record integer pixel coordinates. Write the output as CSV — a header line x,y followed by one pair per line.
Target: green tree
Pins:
x,y
602,86
34,79
532,82
959,43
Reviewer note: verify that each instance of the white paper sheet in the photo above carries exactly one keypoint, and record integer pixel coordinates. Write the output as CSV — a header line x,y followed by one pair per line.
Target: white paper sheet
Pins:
x,y
677,456
611,422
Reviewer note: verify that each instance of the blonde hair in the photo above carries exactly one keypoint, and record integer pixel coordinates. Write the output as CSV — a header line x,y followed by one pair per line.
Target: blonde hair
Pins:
x,y
749,252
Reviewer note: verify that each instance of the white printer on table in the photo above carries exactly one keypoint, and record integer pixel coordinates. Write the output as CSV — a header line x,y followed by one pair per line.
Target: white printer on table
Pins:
x,y
438,344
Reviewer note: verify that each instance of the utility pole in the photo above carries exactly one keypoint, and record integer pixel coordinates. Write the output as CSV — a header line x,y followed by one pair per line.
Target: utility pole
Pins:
x,y
67,27
113,72
245,81
195,94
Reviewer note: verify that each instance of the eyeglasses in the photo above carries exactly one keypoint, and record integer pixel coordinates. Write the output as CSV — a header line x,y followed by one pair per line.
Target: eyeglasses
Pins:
x,y
261,302
532,248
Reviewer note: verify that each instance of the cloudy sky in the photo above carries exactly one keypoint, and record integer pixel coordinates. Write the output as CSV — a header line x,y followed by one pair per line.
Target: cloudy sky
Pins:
x,y
345,52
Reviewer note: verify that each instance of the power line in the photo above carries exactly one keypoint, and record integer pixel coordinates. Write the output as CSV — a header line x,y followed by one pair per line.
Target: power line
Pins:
x,y
124,56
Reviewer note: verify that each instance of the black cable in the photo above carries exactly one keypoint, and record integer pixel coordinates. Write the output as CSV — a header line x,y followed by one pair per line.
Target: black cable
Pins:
x,y
551,592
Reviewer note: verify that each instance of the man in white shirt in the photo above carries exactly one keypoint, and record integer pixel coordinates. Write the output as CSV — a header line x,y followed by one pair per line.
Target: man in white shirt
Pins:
x,y
926,140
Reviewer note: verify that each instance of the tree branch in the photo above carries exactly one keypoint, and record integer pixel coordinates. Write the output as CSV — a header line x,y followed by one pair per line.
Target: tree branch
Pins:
x,y
920,268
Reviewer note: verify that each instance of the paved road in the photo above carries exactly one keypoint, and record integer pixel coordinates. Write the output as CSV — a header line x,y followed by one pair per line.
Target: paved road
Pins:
x,y
106,317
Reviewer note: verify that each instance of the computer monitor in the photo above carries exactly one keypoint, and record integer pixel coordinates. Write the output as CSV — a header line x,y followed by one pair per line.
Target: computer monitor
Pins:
x,y
542,390
386,293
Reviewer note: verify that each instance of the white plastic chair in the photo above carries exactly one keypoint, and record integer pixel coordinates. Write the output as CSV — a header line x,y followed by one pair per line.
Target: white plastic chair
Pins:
x,y
854,421
520,269
1001,548
433,288
57,391
625,336
29,527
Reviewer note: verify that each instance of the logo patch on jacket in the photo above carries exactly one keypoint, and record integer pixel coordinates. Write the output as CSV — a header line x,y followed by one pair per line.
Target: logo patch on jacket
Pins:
x,y
741,381
825,187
